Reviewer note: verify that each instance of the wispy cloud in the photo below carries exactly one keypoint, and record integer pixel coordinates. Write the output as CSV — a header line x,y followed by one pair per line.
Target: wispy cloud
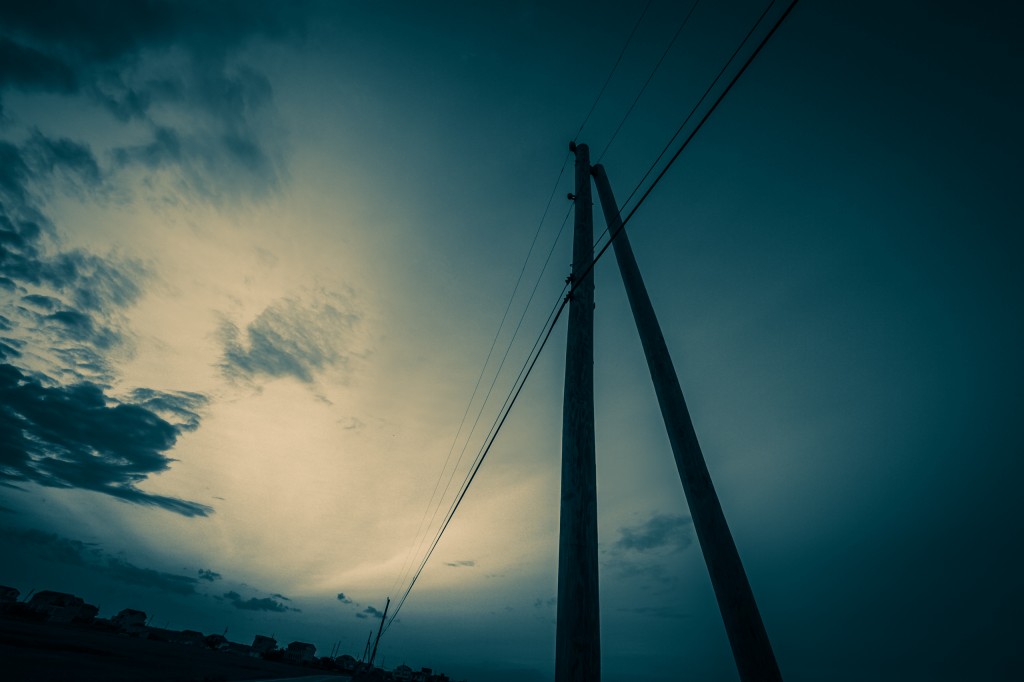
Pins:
x,y
294,337
67,304
128,573
208,575
461,564
370,612
258,603
643,550
343,599
659,531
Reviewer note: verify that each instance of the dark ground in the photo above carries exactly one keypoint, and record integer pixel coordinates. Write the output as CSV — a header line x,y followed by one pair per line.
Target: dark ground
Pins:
x,y
42,652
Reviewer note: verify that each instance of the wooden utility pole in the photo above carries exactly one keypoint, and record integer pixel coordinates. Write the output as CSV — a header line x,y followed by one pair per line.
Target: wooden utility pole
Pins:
x,y
578,632
747,636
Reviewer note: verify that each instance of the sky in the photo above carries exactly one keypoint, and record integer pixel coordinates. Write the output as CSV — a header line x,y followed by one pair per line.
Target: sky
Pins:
x,y
254,255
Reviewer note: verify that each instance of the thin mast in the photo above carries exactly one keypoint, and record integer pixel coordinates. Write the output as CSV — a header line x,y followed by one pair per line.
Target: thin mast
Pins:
x,y
379,631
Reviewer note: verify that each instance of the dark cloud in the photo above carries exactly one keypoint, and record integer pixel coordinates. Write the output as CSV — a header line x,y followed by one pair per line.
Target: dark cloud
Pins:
x,y
27,69
370,612
256,603
67,303
208,575
124,572
461,564
539,603
52,155
643,551
40,301
54,548
210,164
343,599
125,28
660,531
79,437
292,338
148,61
179,407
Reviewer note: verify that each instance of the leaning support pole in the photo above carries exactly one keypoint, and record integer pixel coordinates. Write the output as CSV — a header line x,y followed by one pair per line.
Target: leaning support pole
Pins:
x,y
578,631
747,636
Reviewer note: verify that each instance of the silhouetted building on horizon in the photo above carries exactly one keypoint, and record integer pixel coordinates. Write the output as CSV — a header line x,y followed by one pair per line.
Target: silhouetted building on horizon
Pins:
x,y
131,621
61,607
262,644
300,652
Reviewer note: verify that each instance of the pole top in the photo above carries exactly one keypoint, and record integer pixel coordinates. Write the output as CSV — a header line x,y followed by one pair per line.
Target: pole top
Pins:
x,y
572,146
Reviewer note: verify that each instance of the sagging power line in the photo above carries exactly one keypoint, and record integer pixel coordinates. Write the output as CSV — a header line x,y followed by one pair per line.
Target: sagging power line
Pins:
x,y
749,648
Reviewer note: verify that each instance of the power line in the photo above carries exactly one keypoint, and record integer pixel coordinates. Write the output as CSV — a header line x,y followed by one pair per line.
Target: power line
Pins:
x,y
686,142
421,529
560,307
703,120
657,66
612,72
490,389
524,374
700,101
693,110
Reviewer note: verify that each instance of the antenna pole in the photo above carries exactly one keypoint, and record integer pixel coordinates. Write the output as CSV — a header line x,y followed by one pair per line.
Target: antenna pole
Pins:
x,y
379,631
747,635
578,630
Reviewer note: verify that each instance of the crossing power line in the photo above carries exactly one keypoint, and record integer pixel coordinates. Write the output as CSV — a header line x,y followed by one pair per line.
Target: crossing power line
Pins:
x,y
570,287
424,525
668,48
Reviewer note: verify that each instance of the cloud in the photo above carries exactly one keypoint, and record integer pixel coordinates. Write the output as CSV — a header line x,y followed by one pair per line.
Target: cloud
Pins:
x,y
26,69
642,550
343,599
75,160
660,531
79,437
460,564
293,338
152,62
125,572
540,603
54,548
352,423
370,612
208,575
62,313
257,604
69,304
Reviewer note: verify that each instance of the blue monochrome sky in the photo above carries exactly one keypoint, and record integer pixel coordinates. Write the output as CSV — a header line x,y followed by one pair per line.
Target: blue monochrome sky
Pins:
x,y
253,257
